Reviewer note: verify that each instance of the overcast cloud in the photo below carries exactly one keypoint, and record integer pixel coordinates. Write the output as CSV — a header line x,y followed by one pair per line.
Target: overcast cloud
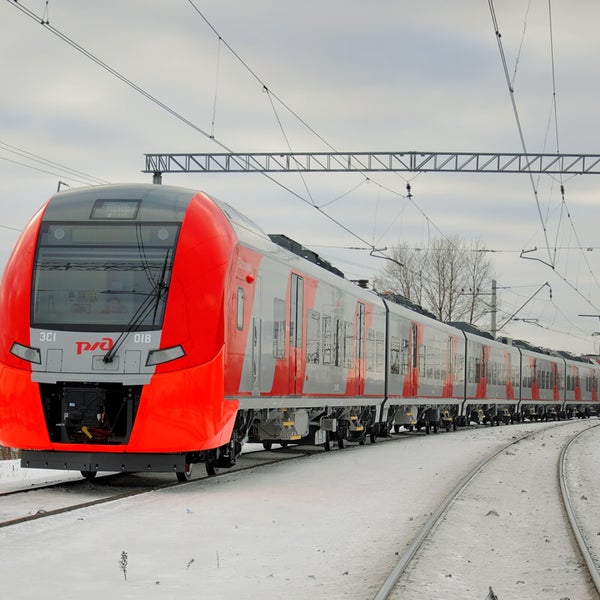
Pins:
x,y
386,76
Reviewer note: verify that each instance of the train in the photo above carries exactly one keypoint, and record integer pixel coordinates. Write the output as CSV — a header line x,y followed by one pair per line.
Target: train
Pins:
x,y
149,328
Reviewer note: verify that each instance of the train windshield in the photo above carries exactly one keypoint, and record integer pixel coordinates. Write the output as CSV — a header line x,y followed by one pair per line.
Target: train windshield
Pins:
x,y
102,277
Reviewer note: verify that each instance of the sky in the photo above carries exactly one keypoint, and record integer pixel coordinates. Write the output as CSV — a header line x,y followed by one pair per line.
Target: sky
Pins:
x,y
269,76
327,525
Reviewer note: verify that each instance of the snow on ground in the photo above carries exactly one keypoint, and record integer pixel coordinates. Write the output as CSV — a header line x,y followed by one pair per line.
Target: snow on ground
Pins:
x,y
328,525
519,539
12,477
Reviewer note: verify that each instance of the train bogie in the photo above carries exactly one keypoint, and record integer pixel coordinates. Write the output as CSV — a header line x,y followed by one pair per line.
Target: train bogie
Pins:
x,y
405,416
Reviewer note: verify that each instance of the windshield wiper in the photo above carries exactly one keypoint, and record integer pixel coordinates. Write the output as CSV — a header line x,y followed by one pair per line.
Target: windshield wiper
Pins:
x,y
151,303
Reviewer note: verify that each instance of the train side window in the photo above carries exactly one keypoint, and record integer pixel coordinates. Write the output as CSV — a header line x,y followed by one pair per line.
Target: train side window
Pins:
x,y
338,350
459,367
415,345
483,374
370,350
379,352
478,370
360,330
327,335
279,328
404,356
395,355
472,370
501,373
313,326
349,344
423,358
437,367
240,308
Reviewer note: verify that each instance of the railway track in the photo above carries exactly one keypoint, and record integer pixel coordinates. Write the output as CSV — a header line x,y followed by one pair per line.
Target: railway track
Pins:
x,y
444,545
574,500
40,501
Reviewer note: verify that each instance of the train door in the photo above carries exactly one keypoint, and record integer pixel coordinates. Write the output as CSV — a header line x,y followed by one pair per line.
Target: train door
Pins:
x,y
256,337
296,354
448,389
360,348
414,366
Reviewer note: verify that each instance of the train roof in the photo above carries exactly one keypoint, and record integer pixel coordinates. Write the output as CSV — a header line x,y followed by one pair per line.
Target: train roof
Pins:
x,y
403,301
285,242
470,328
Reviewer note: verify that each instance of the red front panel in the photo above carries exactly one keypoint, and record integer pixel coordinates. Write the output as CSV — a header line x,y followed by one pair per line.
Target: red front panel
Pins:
x,y
183,407
21,417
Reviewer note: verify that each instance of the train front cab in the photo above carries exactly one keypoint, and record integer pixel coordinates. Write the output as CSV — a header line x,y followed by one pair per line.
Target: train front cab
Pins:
x,y
84,386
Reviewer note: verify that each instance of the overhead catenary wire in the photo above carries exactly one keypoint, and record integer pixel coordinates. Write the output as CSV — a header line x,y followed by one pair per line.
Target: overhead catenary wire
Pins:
x,y
273,96
217,71
513,101
551,255
323,205
556,130
72,174
46,24
113,72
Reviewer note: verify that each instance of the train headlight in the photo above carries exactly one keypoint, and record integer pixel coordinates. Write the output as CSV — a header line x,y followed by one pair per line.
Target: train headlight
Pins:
x,y
31,355
157,357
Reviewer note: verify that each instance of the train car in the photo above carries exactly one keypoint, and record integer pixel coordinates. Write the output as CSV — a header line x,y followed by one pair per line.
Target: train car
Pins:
x,y
581,377
542,384
313,367
425,373
492,389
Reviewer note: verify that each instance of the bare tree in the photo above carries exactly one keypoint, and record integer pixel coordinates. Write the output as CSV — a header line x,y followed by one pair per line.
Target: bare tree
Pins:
x,y
445,279
449,279
403,273
479,277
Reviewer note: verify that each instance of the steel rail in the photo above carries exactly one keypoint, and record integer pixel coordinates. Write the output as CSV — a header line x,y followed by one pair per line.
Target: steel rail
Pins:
x,y
409,554
279,455
575,526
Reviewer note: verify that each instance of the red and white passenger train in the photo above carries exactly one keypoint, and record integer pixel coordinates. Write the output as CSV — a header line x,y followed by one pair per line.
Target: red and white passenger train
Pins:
x,y
148,327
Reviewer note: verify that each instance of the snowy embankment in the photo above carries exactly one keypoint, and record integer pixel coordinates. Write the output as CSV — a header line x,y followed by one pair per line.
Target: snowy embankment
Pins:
x,y
328,525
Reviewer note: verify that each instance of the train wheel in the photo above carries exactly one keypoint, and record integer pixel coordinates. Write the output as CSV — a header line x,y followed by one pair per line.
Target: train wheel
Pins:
x,y
266,446
327,444
211,469
397,428
89,475
185,475
340,442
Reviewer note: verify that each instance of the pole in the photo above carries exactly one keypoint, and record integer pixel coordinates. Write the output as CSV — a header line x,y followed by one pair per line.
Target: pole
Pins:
x,y
494,309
